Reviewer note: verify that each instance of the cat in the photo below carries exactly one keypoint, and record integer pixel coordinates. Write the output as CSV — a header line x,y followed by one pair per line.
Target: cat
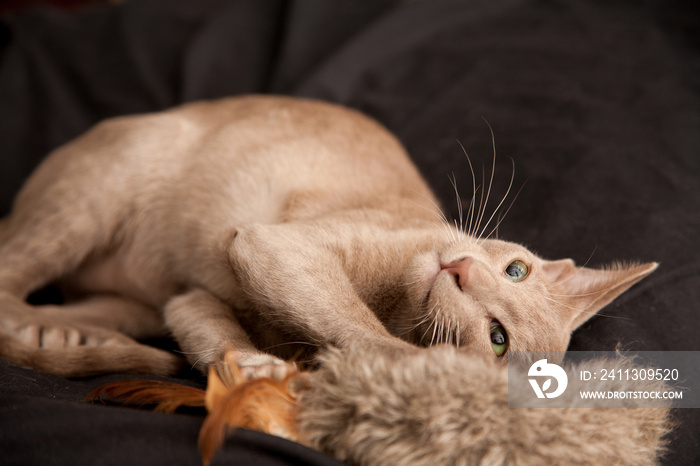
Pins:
x,y
263,224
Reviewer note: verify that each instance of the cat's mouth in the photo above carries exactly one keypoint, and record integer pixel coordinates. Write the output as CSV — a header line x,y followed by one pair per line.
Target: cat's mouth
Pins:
x,y
439,280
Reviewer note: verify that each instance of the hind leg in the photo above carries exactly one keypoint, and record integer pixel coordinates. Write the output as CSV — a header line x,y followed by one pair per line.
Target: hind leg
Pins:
x,y
124,355
94,321
36,250
71,207
110,312
85,338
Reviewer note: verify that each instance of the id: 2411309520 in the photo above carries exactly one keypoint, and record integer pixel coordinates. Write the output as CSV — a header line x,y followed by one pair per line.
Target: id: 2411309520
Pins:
x,y
631,374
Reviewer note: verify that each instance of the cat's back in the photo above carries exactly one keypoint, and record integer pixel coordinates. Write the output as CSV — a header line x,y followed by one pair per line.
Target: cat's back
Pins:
x,y
257,158
292,157
299,136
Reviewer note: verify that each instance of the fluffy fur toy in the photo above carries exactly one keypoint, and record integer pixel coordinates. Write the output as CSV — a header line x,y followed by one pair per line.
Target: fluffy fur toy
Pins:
x,y
431,406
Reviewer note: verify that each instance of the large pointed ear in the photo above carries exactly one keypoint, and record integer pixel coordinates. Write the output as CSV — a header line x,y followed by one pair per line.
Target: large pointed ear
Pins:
x,y
585,291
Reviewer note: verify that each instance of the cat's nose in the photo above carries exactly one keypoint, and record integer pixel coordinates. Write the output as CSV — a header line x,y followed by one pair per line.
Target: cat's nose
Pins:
x,y
459,269
469,274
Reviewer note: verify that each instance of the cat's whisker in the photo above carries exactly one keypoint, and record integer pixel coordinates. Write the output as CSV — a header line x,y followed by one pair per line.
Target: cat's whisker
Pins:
x,y
428,316
471,214
493,171
440,215
472,204
581,295
432,339
607,316
502,218
453,181
442,331
510,185
435,327
206,353
448,334
440,212
405,330
580,268
289,343
411,283
436,337
473,227
195,352
423,319
203,353
479,212
568,306
449,338
410,328
584,311
448,235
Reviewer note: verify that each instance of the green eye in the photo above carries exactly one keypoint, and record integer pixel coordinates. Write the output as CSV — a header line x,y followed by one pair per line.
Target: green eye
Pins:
x,y
517,270
499,340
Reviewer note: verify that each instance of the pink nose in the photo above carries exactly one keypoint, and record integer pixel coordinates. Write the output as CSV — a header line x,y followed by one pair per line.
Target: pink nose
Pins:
x,y
459,269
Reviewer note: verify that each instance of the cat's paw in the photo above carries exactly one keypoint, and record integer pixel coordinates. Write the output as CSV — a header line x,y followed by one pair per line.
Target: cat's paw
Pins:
x,y
83,361
38,330
57,335
257,365
41,335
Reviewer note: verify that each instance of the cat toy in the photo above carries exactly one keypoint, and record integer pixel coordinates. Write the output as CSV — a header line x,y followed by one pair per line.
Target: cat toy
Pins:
x,y
437,405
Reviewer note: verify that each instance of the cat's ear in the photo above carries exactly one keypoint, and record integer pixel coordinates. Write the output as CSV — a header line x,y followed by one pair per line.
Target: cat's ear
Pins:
x,y
585,291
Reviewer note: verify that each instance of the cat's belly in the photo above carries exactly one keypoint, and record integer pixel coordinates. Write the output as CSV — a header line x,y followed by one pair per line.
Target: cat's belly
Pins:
x,y
114,275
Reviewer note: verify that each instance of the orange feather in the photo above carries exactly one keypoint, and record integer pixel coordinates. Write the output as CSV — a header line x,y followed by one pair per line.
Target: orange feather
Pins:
x,y
164,397
264,404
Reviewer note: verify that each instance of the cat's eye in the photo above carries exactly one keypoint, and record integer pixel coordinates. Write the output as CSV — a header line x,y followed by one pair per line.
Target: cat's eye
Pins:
x,y
499,339
517,270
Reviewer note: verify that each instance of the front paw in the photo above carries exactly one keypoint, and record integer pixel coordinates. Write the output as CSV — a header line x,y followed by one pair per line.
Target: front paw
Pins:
x,y
258,365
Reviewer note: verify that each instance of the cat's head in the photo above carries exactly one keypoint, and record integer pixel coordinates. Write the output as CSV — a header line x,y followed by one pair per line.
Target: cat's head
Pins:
x,y
495,296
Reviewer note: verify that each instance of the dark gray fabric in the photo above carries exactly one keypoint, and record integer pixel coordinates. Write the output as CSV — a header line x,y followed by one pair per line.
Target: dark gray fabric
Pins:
x,y
596,102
